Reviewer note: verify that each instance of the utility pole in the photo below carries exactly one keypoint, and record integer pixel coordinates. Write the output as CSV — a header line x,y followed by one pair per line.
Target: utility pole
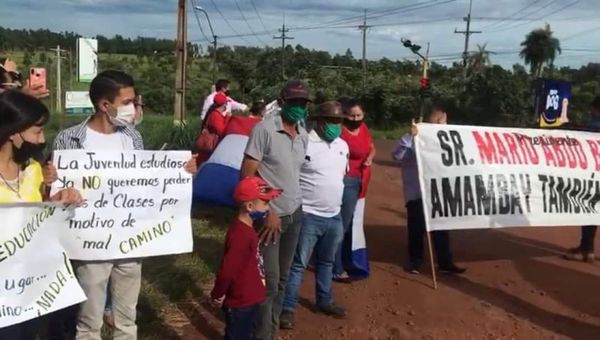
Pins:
x,y
283,37
181,57
364,29
214,70
467,34
58,57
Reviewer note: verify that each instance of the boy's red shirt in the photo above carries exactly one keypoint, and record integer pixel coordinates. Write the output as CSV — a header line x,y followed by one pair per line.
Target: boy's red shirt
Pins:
x,y
240,277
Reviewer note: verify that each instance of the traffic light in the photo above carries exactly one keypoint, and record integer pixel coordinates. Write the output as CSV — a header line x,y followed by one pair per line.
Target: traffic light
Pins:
x,y
407,43
423,83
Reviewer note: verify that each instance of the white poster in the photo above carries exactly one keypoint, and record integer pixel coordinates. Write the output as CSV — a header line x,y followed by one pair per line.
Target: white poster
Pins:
x,y
87,59
138,203
482,177
36,277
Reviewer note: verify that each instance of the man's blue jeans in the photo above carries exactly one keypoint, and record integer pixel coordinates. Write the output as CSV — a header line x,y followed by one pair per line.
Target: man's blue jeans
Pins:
x,y
323,235
352,187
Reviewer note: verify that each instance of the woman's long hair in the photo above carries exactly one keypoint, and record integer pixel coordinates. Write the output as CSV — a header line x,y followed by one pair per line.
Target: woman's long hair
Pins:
x,y
19,112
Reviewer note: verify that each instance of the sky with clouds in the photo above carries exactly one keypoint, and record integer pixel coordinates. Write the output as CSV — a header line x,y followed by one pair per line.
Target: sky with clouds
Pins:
x,y
332,25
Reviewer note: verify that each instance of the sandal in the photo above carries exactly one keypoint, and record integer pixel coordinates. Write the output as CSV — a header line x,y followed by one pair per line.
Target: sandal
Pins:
x,y
342,278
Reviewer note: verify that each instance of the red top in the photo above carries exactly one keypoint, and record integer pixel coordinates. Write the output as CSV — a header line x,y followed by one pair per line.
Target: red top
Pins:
x,y
360,148
241,125
217,123
240,276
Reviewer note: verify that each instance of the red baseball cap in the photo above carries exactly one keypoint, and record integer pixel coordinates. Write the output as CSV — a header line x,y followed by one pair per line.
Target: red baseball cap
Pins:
x,y
220,99
252,188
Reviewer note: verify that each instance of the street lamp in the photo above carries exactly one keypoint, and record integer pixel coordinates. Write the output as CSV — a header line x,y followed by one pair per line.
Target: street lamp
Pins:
x,y
200,9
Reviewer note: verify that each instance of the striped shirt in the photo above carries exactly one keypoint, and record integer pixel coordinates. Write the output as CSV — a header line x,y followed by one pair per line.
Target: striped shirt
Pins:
x,y
74,137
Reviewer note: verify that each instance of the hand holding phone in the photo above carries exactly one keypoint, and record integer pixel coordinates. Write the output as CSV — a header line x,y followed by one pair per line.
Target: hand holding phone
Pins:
x,y
37,79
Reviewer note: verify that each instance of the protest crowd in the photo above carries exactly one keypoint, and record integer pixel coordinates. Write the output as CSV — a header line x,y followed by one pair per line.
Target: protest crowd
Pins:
x,y
299,195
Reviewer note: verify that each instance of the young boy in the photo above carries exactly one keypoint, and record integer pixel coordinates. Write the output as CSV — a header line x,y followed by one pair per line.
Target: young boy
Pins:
x,y
240,284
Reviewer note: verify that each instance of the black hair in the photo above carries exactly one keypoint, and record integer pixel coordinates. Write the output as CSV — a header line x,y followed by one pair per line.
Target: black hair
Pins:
x,y
19,112
257,108
596,103
107,85
221,84
348,103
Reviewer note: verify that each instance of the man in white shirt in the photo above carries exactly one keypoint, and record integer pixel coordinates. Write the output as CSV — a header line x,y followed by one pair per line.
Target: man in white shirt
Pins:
x,y
322,185
222,85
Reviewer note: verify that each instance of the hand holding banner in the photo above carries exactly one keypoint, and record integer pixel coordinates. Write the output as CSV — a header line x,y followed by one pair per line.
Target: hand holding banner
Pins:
x,y
138,203
36,277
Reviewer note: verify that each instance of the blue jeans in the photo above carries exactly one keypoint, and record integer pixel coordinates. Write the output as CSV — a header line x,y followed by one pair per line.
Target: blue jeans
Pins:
x,y
240,322
352,187
323,235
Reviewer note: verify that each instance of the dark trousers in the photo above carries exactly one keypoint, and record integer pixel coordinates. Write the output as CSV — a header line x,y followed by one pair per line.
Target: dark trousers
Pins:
x,y
277,259
62,324
240,322
27,330
416,232
588,234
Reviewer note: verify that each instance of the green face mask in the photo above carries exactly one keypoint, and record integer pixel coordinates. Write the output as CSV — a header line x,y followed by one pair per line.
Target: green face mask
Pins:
x,y
293,113
331,132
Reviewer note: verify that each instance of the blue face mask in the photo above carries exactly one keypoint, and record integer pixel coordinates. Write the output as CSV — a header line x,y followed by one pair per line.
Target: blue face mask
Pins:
x,y
259,215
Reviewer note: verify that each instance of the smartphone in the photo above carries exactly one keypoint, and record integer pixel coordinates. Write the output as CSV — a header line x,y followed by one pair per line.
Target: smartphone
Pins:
x,y
37,78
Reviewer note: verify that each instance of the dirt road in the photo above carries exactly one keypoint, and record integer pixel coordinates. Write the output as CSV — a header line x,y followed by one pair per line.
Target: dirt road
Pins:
x,y
516,286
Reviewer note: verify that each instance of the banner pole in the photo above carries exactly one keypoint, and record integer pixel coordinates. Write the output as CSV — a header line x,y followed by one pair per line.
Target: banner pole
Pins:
x,y
433,275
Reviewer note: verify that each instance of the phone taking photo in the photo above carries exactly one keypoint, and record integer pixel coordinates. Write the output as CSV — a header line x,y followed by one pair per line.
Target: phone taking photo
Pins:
x,y
37,78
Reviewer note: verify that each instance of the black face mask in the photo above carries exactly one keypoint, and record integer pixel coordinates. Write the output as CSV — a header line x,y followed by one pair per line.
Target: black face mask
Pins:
x,y
352,124
28,151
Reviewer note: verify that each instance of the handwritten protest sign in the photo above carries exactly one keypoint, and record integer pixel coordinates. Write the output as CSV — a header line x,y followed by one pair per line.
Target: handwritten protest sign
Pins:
x,y
137,203
36,277
481,177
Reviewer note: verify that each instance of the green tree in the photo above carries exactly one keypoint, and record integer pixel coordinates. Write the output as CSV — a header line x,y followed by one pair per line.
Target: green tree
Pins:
x,y
540,47
479,61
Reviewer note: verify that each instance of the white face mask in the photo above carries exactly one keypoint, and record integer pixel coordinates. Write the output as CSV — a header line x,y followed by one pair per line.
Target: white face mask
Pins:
x,y
125,115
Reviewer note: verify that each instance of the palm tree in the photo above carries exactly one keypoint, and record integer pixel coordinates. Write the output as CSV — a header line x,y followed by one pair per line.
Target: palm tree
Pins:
x,y
478,61
540,48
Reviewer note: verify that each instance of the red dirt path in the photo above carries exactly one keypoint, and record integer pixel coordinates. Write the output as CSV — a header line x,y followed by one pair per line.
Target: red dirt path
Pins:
x,y
516,286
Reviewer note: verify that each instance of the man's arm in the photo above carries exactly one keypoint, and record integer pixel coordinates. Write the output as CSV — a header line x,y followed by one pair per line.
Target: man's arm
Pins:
x,y
249,167
207,103
255,151
404,149
235,106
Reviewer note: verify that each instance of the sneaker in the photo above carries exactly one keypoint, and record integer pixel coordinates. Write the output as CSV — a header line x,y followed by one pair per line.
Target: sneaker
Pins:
x,y
286,320
413,269
332,310
575,254
452,269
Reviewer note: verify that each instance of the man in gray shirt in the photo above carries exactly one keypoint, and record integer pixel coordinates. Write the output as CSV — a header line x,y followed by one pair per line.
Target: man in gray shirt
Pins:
x,y
275,151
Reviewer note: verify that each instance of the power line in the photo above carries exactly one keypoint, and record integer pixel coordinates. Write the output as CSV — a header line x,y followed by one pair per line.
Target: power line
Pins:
x,y
259,16
541,17
523,15
516,13
581,33
228,23
237,4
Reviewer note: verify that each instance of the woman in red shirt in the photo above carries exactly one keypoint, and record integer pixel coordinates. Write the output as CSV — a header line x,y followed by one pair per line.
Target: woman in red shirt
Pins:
x,y
362,151
215,122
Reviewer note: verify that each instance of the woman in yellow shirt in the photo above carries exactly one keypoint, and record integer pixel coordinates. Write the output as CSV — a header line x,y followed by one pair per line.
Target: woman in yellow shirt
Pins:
x,y
22,143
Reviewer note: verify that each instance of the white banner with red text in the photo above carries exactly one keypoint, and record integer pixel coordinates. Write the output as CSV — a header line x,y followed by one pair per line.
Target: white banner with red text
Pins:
x,y
137,203
36,277
483,177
